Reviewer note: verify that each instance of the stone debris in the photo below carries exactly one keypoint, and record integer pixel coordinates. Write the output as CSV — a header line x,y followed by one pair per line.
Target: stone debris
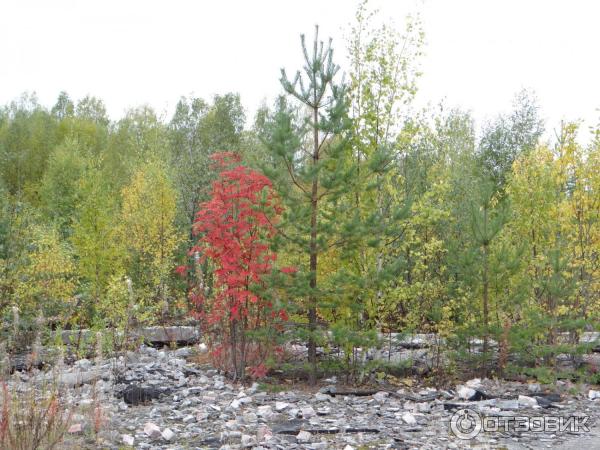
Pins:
x,y
152,430
128,439
175,404
465,392
281,406
75,428
381,396
527,402
409,418
247,441
168,434
304,436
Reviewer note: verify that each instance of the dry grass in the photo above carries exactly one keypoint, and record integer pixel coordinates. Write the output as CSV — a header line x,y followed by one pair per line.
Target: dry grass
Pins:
x,y
33,419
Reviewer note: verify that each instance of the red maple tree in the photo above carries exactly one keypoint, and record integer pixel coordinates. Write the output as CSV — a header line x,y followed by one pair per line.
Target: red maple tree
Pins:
x,y
233,228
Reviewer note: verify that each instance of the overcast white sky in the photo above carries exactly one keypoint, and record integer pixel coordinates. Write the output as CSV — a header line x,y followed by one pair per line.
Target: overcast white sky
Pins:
x,y
479,53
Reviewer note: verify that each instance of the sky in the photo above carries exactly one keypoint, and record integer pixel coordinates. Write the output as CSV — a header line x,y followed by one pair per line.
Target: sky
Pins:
x,y
478,53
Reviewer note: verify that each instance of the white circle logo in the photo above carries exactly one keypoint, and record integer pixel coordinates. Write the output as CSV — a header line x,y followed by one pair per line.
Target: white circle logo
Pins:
x,y
465,424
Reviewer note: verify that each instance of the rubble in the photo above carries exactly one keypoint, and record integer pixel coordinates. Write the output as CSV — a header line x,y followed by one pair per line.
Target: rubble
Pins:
x,y
152,430
161,401
128,439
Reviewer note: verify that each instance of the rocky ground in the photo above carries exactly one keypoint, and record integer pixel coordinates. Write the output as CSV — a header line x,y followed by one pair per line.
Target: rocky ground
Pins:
x,y
163,400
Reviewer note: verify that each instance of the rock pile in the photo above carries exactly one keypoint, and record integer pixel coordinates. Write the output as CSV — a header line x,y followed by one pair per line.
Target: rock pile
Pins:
x,y
161,401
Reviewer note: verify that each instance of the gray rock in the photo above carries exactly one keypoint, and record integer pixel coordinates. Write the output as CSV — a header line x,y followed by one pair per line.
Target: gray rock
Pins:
x,y
281,406
74,379
264,411
83,364
152,430
507,404
465,392
183,352
168,434
381,396
303,437
409,419
308,412
248,441
320,397
128,439
527,402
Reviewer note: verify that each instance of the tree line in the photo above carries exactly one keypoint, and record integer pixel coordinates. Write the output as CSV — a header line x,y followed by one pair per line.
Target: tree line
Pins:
x,y
386,218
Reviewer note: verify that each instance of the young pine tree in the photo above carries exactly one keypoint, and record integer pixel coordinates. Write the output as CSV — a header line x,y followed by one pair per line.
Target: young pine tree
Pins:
x,y
314,171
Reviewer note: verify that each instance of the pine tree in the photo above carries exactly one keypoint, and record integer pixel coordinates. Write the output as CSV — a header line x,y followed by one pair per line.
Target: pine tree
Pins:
x,y
321,227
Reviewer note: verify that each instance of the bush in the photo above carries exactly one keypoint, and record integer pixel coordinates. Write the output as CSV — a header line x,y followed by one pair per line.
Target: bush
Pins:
x,y
36,419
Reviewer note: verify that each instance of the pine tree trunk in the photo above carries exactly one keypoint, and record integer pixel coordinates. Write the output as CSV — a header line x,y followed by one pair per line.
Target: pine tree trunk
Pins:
x,y
312,300
485,281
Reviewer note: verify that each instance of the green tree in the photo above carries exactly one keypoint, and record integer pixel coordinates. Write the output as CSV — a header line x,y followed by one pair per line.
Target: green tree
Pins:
x,y
64,107
59,191
318,224
98,248
92,109
383,82
47,282
504,140
197,130
148,231
27,138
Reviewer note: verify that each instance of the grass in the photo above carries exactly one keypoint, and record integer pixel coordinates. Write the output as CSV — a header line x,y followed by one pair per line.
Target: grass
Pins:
x,y
36,419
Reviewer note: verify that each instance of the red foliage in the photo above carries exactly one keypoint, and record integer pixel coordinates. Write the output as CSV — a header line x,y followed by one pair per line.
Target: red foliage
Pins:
x,y
234,227
181,270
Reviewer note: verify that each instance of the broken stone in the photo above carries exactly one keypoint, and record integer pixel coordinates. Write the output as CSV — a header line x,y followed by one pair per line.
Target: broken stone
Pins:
x,y
152,430
475,383
128,439
409,419
381,396
528,402
168,434
83,364
77,378
281,406
248,441
351,419
264,433
183,352
507,404
76,428
264,411
323,411
465,393
320,397
308,412
303,436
